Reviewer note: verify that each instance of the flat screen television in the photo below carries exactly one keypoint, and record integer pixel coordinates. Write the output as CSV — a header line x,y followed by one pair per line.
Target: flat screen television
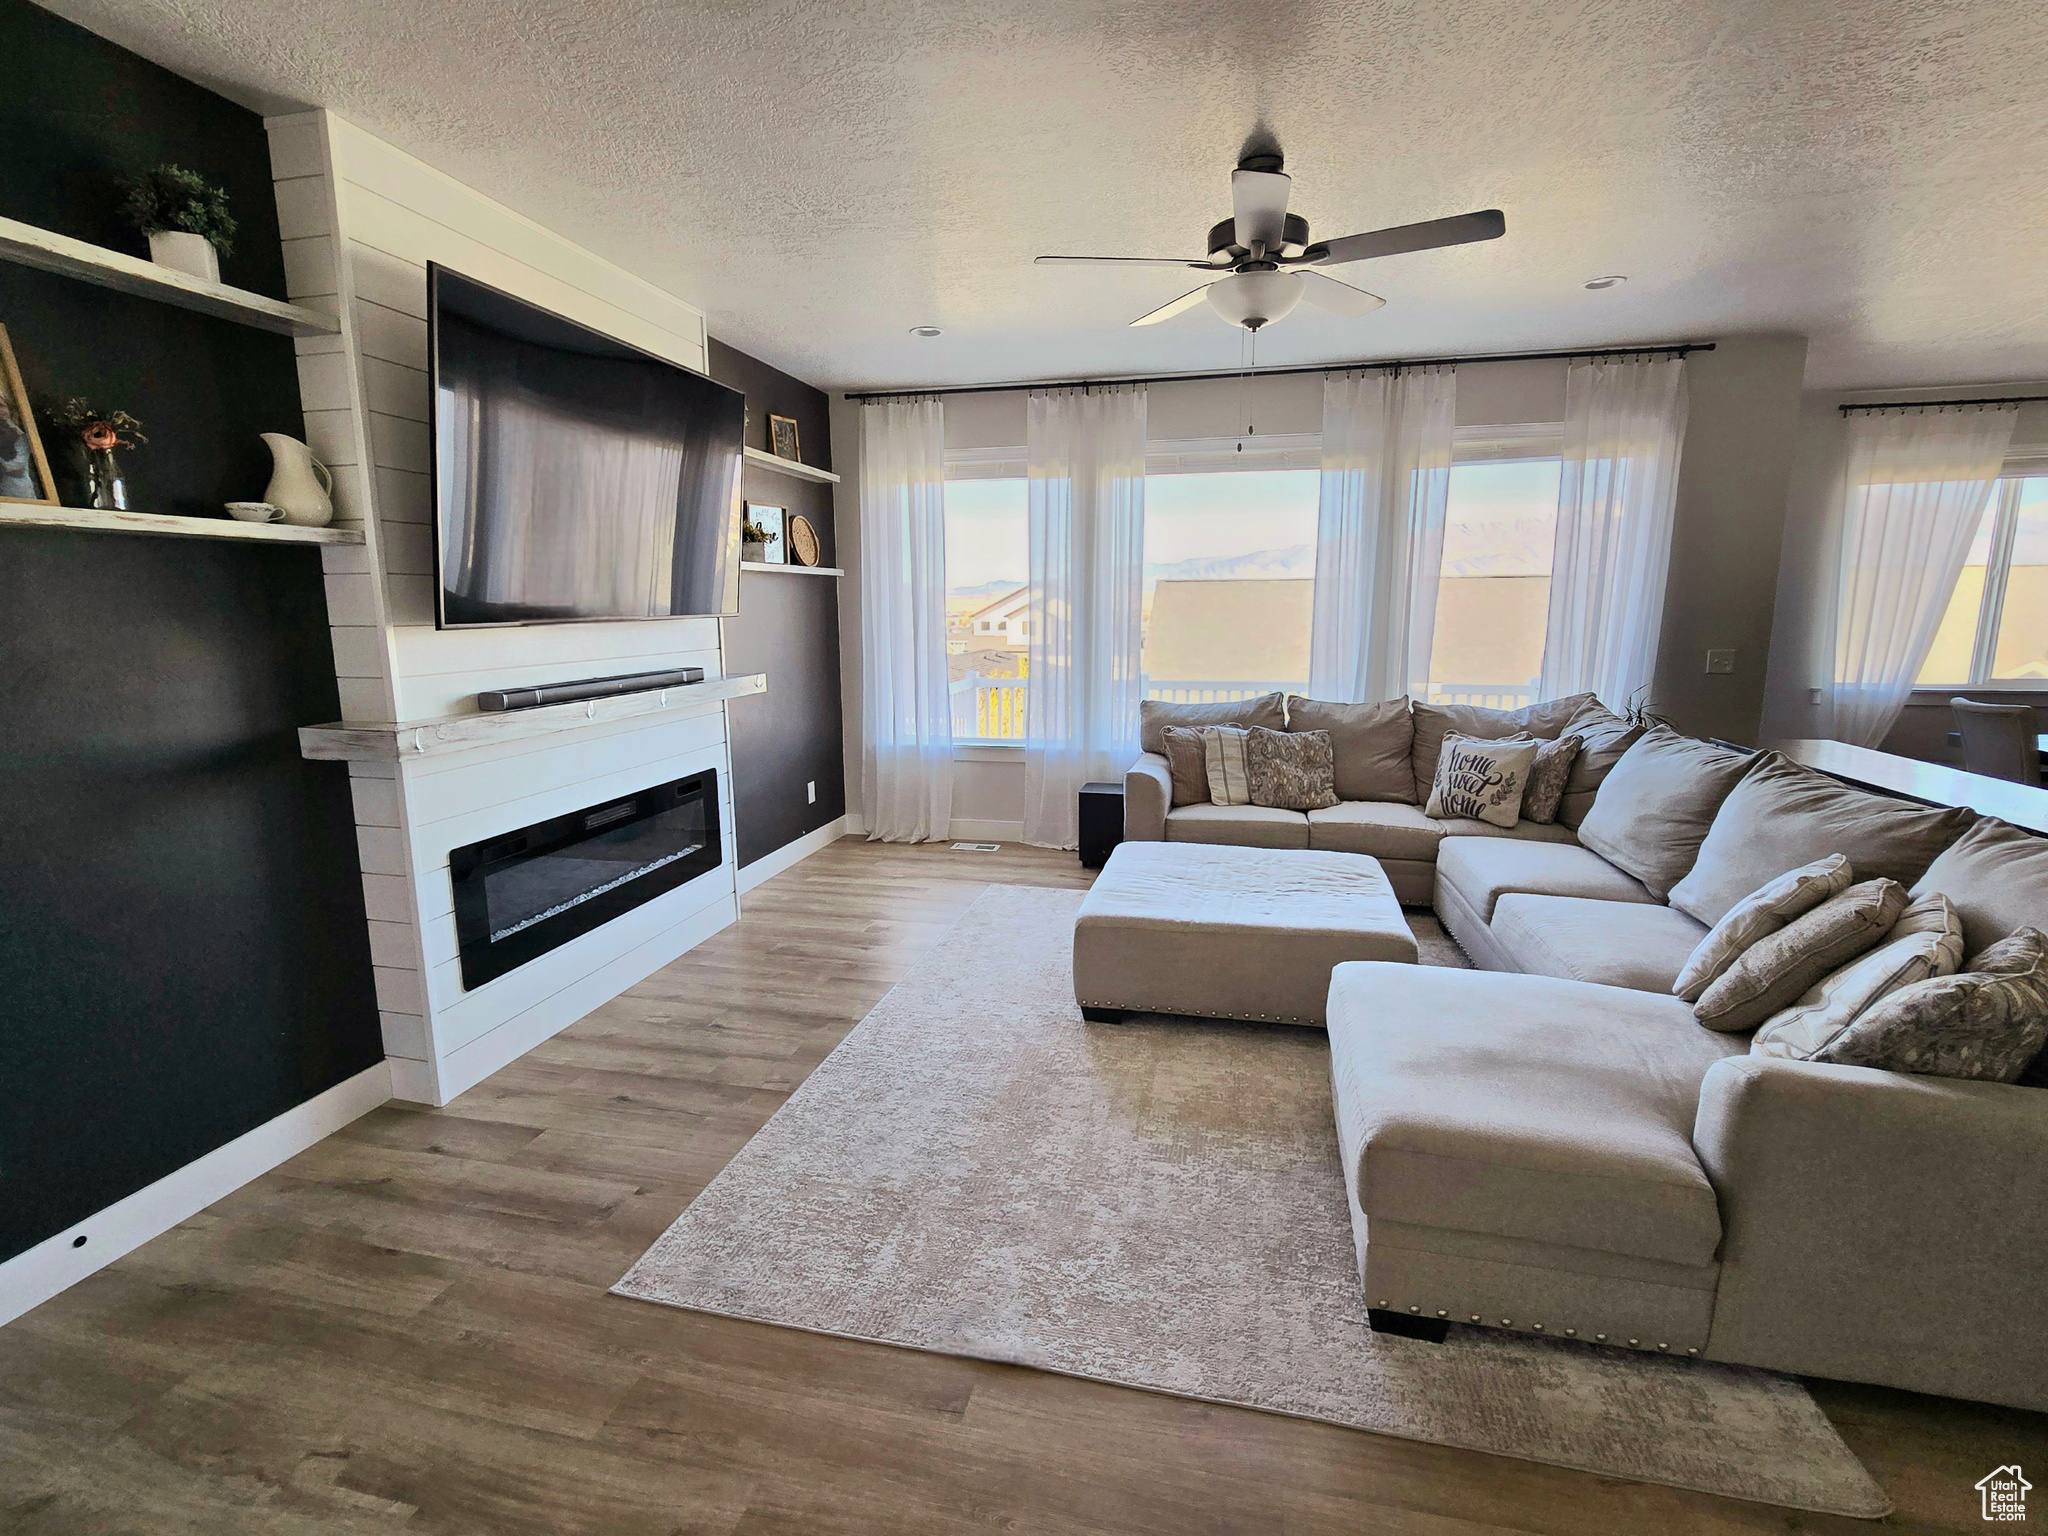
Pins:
x,y
575,477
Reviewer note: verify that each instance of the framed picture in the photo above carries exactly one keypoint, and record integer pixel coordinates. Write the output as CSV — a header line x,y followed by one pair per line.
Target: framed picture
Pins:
x,y
782,438
24,472
772,523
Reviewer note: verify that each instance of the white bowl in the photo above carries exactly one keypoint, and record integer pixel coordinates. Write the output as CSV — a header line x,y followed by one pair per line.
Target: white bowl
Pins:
x,y
255,512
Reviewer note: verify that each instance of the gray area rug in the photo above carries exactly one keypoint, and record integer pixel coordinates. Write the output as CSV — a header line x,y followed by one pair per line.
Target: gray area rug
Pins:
x,y
975,1171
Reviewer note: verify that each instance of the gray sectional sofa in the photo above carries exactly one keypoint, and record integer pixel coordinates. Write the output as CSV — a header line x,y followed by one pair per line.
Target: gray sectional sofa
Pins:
x,y
1552,1143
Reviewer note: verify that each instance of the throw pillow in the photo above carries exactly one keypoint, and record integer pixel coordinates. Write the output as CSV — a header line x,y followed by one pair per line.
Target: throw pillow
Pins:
x,y
1782,814
1230,780
1777,970
1606,736
1926,941
1763,911
1653,812
1188,764
1997,876
1372,744
1482,779
1547,778
1154,716
1986,1023
1290,770
1433,722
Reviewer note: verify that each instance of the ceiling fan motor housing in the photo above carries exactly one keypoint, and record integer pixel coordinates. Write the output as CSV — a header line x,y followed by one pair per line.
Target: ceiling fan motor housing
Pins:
x,y
1224,249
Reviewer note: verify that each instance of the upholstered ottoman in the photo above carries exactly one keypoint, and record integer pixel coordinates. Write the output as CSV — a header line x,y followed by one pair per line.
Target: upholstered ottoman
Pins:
x,y
1229,933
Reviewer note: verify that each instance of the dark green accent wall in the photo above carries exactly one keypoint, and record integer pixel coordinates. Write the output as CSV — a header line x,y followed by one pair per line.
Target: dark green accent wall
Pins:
x,y
183,954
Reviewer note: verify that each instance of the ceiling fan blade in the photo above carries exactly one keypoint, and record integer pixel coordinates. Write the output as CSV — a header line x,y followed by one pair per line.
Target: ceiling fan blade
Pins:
x,y
1181,305
1488,224
1117,261
1258,200
1338,298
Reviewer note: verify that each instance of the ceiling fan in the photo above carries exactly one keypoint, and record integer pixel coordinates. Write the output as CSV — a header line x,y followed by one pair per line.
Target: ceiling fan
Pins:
x,y
1259,258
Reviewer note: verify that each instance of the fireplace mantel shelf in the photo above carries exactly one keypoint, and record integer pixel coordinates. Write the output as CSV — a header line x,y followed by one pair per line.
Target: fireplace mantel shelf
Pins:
x,y
376,741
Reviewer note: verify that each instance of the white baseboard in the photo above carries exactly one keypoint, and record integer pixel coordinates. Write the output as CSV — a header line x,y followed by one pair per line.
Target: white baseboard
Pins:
x,y
789,854
32,1278
963,830
960,829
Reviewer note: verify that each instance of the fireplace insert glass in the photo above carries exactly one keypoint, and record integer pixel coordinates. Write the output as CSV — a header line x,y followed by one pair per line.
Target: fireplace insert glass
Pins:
x,y
522,893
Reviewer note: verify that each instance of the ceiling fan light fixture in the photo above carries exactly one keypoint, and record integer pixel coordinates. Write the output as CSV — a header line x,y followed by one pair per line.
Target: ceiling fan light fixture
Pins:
x,y
928,332
1255,299
1611,280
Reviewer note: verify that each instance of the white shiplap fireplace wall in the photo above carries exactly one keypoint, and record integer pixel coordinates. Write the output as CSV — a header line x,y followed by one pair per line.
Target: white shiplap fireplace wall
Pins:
x,y
360,221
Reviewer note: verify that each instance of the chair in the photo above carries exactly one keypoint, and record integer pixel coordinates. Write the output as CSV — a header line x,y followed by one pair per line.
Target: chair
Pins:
x,y
2000,740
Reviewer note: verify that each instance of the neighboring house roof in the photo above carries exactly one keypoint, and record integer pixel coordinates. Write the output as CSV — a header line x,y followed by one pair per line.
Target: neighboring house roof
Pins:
x,y
1230,630
1007,606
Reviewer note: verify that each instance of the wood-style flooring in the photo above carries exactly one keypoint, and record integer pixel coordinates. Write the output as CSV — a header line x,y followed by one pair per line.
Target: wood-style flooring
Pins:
x,y
407,1328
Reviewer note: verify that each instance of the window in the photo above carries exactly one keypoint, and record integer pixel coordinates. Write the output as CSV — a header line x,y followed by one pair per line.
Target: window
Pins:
x,y
1996,627
1493,600
1230,564
988,563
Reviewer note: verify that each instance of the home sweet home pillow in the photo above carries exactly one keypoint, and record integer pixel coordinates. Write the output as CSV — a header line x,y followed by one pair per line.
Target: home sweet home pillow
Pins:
x,y
1483,780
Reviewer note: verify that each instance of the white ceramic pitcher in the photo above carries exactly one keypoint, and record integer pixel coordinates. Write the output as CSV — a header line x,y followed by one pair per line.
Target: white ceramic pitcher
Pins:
x,y
300,483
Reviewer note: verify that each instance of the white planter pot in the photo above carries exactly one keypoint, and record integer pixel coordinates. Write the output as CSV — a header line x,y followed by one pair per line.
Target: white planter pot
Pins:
x,y
190,254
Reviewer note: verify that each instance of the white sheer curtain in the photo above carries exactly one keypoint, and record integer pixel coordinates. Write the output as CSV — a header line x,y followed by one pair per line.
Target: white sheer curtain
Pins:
x,y
1387,445
906,710
1624,428
1914,493
1086,460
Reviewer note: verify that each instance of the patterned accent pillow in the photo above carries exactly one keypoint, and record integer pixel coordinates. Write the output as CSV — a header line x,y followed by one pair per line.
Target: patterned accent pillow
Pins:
x,y
1482,779
1548,776
1987,1023
1291,770
1223,755
1927,941
1187,763
1761,912
1776,971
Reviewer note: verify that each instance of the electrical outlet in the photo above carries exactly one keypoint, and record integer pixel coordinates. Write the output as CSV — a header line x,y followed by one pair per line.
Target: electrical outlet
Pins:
x,y
811,791
1721,661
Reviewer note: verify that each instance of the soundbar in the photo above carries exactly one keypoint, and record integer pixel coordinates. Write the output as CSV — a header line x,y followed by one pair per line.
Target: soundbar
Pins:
x,y
497,700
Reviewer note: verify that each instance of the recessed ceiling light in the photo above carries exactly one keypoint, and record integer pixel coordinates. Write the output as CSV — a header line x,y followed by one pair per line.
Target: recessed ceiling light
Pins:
x,y
1612,280
926,331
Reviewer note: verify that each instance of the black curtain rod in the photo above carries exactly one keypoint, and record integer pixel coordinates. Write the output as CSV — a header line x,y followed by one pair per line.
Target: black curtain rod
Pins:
x,y
1678,349
1907,405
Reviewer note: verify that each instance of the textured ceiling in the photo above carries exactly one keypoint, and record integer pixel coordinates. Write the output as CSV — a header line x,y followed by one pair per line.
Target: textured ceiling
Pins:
x,y
821,177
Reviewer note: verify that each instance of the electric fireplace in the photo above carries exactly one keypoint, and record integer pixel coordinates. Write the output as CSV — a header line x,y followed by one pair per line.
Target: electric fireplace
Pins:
x,y
522,893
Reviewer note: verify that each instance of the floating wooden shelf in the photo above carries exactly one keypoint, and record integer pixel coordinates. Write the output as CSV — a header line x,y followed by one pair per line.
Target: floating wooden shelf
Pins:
x,y
53,252
790,467
373,741
791,570
171,525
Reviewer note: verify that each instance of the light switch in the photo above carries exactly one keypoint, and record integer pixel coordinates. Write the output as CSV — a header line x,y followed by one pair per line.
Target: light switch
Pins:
x,y
811,791
1721,661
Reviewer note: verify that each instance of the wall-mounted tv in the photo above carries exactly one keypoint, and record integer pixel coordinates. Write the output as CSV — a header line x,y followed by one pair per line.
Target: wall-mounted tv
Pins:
x,y
575,477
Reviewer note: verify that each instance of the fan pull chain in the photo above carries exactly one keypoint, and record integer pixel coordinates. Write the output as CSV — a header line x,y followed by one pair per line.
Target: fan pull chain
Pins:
x,y
1248,366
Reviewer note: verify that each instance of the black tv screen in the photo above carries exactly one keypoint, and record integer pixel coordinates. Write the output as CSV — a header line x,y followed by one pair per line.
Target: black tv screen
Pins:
x,y
575,477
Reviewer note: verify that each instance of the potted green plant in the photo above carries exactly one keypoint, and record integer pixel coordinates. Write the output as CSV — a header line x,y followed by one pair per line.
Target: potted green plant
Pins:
x,y
100,435
185,216
754,541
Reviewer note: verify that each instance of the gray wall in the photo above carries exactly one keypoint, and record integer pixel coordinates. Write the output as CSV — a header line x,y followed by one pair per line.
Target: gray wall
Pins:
x,y
1740,438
